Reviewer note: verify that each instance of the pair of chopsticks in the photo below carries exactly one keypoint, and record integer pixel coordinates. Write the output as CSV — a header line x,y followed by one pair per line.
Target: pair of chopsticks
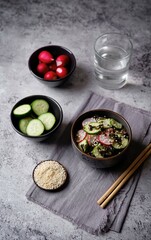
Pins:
x,y
118,184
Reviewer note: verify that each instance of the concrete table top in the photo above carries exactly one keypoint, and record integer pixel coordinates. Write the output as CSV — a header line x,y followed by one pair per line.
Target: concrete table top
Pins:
x,y
26,26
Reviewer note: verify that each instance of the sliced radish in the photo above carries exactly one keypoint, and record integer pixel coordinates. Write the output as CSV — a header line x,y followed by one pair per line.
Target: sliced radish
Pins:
x,y
104,139
88,120
92,139
109,131
80,136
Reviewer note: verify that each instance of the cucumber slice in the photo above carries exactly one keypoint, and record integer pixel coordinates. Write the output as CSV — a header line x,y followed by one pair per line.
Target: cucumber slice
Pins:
x,y
107,123
122,144
48,120
96,152
116,124
22,110
92,128
23,123
40,106
100,120
83,145
35,128
118,134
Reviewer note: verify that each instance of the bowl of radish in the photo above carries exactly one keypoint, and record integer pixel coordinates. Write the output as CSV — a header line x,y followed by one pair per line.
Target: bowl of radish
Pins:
x,y
101,137
36,117
52,65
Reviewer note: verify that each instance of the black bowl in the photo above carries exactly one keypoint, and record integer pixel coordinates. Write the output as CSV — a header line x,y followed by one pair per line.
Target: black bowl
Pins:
x,y
54,107
55,51
93,161
62,185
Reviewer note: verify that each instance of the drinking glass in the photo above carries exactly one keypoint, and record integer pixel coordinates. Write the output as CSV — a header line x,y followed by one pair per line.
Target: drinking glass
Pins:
x,y
112,54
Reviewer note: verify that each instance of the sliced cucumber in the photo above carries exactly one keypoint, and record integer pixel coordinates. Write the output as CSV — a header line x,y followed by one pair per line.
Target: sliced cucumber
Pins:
x,y
107,123
23,124
100,120
122,144
116,124
22,110
83,145
48,120
118,134
96,152
40,106
92,128
35,128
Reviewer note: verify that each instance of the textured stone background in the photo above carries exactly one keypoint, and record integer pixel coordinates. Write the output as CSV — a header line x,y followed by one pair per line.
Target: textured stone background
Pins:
x,y
26,26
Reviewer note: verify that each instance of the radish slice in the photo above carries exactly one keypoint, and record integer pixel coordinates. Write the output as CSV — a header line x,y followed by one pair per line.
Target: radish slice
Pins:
x,y
109,131
92,139
88,120
104,139
80,136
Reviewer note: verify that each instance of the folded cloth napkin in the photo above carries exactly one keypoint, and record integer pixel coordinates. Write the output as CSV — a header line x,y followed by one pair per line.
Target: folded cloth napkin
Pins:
x,y
77,202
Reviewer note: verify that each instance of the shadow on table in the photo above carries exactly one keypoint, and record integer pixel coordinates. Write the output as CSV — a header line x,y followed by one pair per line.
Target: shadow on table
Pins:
x,y
79,80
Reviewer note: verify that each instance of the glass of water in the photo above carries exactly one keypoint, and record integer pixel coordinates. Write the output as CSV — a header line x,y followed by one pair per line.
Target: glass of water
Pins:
x,y
112,59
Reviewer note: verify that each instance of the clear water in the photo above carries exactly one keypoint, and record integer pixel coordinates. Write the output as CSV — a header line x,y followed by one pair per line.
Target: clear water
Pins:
x,y
111,67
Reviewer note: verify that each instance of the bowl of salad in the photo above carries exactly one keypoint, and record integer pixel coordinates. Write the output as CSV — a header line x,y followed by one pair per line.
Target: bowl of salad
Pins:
x,y
101,137
36,117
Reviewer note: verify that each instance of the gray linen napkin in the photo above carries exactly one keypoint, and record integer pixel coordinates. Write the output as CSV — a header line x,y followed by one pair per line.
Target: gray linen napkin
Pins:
x,y
77,201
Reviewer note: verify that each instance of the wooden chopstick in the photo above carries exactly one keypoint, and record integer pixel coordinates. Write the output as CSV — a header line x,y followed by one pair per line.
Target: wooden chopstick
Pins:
x,y
117,185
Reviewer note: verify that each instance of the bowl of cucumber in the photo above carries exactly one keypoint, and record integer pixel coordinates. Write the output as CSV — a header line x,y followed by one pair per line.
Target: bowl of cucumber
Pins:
x,y
36,117
101,137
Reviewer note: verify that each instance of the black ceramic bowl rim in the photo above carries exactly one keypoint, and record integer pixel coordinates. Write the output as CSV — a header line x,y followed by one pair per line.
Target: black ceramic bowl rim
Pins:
x,y
49,132
59,79
107,158
47,189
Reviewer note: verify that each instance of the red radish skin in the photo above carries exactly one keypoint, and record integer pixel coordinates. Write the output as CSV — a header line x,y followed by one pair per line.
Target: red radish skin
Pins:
x,y
45,57
53,66
42,68
61,72
50,75
62,61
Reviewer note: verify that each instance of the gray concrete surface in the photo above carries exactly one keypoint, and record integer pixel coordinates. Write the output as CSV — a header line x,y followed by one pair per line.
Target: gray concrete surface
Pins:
x,y
26,26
